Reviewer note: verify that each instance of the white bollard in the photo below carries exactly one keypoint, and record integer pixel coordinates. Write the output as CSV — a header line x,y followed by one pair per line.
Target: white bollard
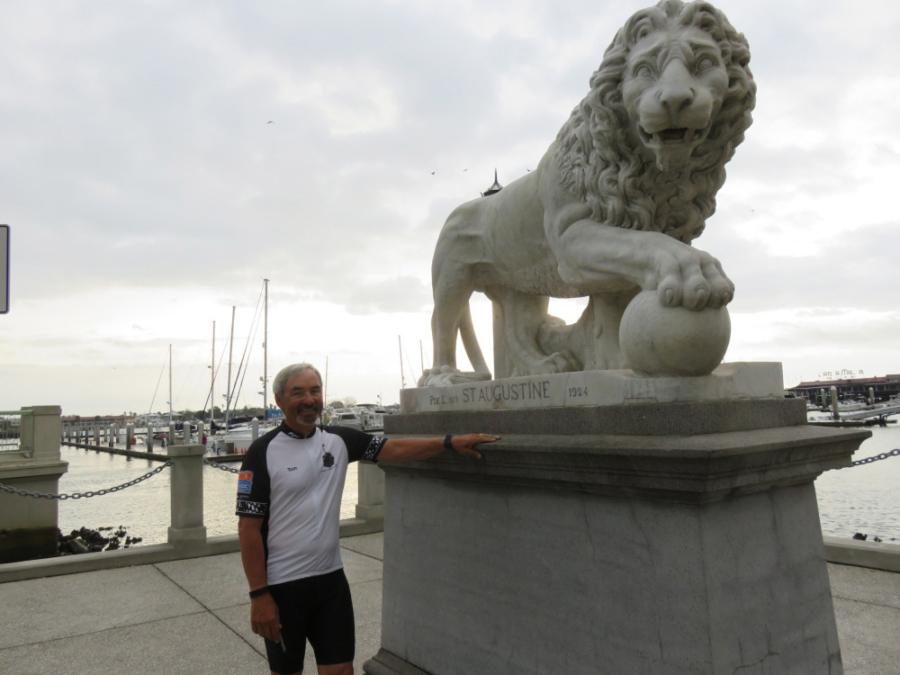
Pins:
x,y
186,492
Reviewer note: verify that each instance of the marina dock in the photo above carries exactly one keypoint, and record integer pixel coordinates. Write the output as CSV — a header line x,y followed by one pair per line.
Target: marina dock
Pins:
x,y
192,616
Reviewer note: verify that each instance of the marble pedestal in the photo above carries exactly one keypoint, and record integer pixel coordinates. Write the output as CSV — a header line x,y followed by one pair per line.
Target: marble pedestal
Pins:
x,y
673,538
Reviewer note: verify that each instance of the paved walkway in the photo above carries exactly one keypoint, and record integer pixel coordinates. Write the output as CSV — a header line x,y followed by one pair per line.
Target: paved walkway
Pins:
x,y
192,617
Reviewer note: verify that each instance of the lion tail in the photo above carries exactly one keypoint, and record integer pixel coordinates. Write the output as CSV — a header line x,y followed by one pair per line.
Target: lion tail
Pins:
x,y
470,342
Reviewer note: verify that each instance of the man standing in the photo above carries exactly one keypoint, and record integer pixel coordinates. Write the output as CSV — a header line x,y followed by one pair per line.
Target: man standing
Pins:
x,y
288,503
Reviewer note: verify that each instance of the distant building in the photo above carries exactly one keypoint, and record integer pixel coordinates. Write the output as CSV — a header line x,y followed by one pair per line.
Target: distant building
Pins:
x,y
850,389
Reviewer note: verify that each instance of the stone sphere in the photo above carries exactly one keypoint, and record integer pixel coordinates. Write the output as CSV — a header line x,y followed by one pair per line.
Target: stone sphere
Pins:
x,y
673,341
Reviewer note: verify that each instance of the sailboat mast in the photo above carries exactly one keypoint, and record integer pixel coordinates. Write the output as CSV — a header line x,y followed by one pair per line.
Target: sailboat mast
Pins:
x,y
230,354
212,381
402,376
266,355
170,385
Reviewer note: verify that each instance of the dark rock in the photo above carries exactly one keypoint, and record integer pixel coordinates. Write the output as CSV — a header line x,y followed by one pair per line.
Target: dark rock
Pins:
x,y
77,545
86,540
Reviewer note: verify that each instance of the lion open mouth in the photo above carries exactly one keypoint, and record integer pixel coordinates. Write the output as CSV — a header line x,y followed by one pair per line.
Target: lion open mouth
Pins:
x,y
673,137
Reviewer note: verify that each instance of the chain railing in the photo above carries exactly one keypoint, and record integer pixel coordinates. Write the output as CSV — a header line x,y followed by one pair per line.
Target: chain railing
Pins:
x,y
874,458
85,495
220,466
106,491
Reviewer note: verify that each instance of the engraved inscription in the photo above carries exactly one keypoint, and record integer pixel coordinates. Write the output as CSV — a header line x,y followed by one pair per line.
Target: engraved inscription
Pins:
x,y
517,391
443,399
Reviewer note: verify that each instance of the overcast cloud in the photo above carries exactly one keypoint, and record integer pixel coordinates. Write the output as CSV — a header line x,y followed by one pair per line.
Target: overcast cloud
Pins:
x,y
148,192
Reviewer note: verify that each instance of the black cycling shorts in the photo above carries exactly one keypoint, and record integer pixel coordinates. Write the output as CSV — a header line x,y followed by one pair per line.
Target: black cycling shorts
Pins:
x,y
318,609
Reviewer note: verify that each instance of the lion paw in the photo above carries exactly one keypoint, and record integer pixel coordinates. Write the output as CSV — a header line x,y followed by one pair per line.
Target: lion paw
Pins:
x,y
446,376
558,362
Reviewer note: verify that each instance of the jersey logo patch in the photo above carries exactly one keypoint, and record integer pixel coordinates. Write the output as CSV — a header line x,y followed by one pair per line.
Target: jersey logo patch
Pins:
x,y
248,508
245,482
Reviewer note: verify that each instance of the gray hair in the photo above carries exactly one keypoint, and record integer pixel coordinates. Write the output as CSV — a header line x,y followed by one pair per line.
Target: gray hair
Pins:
x,y
288,372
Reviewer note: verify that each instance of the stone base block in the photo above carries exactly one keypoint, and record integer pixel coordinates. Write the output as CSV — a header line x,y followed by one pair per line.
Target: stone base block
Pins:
x,y
613,543
187,536
492,579
369,511
591,388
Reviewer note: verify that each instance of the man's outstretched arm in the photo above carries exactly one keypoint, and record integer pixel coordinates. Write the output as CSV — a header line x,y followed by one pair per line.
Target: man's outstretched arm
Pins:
x,y
412,449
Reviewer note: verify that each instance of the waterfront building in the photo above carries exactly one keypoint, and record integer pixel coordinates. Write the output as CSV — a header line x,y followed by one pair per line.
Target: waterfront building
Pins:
x,y
850,389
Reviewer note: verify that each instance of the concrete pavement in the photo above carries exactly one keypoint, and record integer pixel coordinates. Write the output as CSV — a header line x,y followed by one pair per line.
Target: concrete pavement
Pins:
x,y
192,616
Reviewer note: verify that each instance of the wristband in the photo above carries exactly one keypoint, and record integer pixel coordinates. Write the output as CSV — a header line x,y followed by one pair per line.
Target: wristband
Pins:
x,y
448,442
259,591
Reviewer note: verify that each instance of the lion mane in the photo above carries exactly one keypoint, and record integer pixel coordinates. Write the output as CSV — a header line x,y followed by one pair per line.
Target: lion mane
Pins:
x,y
596,154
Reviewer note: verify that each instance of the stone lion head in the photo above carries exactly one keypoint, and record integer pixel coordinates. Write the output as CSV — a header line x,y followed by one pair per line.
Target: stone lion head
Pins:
x,y
647,147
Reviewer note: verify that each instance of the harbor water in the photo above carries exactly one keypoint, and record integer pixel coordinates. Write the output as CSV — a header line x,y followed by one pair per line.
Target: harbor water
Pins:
x,y
864,499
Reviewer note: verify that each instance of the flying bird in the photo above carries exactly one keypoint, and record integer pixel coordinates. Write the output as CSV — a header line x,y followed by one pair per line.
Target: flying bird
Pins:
x,y
270,122
432,173
464,170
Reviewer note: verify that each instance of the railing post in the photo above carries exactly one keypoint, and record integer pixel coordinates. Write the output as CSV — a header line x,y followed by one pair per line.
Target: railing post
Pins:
x,y
187,527
43,430
28,526
371,491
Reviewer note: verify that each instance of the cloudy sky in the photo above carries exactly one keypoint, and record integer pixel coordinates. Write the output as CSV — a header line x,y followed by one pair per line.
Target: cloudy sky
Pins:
x,y
148,193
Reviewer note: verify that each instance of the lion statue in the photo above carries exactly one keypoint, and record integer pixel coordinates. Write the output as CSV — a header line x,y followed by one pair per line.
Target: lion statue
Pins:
x,y
610,210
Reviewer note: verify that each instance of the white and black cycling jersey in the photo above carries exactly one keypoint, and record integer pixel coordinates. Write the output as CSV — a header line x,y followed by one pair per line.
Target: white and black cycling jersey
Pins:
x,y
295,485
